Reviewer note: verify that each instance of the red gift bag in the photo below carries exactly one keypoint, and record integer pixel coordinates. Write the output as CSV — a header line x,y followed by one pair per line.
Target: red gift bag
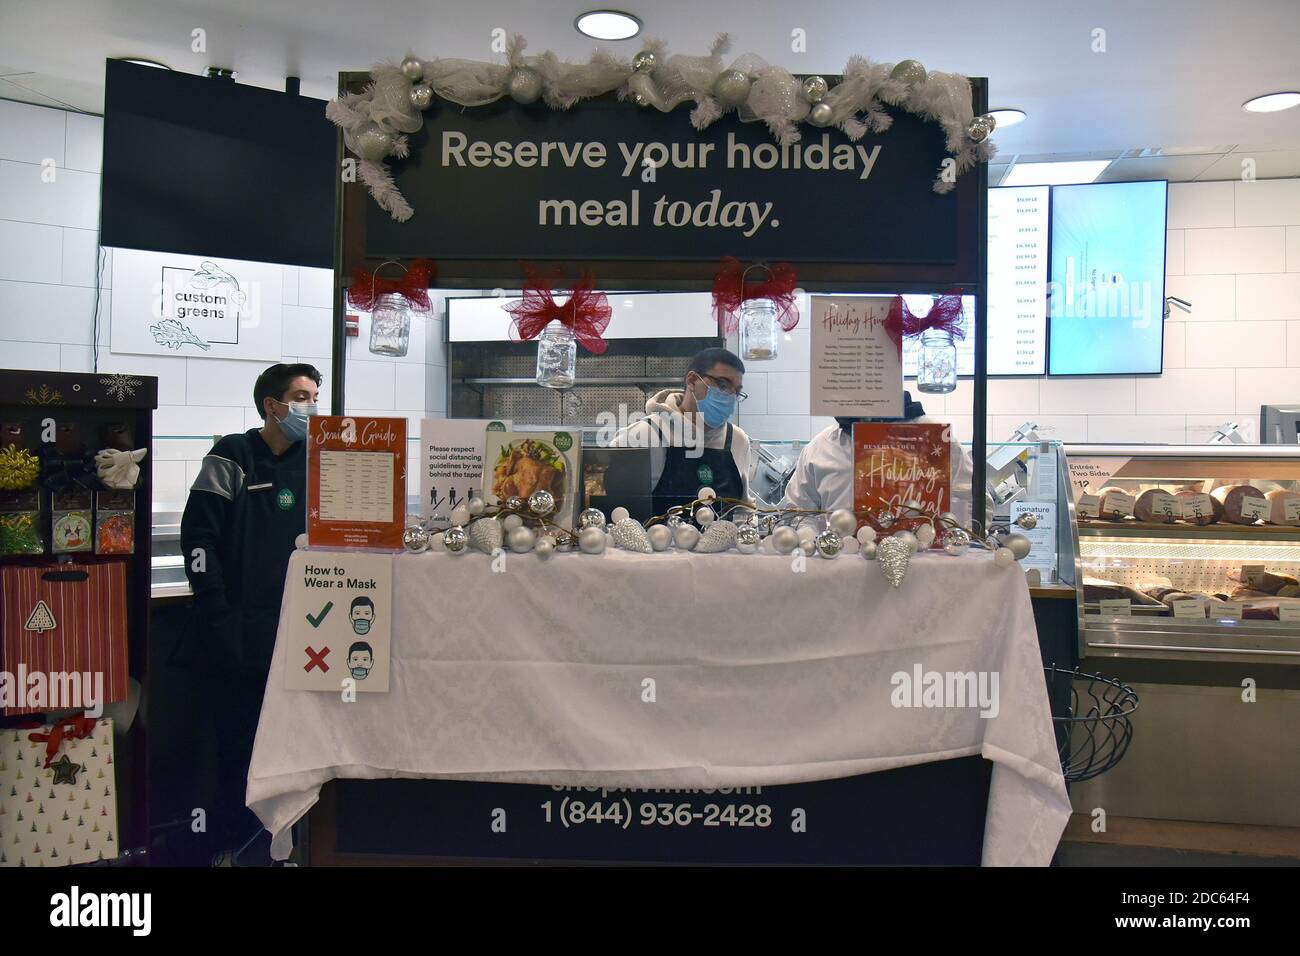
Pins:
x,y
62,621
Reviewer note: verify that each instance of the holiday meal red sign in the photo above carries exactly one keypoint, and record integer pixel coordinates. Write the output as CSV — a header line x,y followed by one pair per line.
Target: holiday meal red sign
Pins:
x,y
356,482
902,469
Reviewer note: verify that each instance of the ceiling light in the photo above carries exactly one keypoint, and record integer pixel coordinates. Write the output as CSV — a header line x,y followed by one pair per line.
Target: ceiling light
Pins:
x,y
1007,118
1271,103
608,25
1054,174
141,61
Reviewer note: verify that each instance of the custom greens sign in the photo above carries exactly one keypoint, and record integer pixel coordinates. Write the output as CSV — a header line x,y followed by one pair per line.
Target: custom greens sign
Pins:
x,y
609,180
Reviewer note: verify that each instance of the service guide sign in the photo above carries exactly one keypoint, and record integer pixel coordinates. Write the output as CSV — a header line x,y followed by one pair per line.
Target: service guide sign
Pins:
x,y
169,304
338,621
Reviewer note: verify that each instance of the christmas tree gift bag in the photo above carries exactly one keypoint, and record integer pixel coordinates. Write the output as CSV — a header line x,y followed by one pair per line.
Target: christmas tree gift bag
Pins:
x,y
58,794
63,636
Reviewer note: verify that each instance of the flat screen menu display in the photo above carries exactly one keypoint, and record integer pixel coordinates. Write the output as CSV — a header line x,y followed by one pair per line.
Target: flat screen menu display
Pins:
x,y
1017,280
1108,278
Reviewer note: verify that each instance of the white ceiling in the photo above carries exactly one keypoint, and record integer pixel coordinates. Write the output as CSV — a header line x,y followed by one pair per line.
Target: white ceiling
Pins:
x,y
1174,72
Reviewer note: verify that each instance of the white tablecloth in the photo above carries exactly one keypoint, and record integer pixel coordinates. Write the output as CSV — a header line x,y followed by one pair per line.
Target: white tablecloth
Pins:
x,y
762,676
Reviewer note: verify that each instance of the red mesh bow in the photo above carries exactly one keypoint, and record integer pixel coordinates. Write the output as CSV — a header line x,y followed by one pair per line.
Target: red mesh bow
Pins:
x,y
72,727
366,287
586,311
944,315
730,289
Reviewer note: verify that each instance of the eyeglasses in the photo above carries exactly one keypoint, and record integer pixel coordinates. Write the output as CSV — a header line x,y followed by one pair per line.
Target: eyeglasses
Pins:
x,y
728,388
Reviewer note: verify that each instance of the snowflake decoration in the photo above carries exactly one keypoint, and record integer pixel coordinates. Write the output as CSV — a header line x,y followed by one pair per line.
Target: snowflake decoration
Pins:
x,y
45,396
121,386
315,513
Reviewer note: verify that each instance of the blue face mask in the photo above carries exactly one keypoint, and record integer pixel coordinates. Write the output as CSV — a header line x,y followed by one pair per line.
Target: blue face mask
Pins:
x,y
716,406
361,626
294,425
360,672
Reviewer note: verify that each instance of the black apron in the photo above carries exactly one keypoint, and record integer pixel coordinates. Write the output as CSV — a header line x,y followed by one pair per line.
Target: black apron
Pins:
x,y
684,476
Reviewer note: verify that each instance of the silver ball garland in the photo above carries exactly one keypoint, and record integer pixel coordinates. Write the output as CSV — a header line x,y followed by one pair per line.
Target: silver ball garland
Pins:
x,y
980,128
415,539
829,543
815,88
821,114
421,96
910,72
541,503
732,87
525,85
455,540
412,69
645,61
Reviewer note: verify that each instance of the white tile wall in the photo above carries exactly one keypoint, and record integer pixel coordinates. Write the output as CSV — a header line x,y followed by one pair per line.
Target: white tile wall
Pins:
x,y
1246,249
49,255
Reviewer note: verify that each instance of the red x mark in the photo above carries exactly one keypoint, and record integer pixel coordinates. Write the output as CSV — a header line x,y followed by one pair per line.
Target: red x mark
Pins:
x,y
317,659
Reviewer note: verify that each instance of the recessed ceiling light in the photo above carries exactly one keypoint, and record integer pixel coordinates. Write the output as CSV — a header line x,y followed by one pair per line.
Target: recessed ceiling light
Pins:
x,y
1054,174
608,25
141,61
1271,103
1007,118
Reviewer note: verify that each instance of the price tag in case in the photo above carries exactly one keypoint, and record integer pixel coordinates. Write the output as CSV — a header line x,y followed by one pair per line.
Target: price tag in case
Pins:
x,y
1192,609
1252,575
1230,611
1289,613
1089,506
1291,509
1116,607
1197,506
1254,508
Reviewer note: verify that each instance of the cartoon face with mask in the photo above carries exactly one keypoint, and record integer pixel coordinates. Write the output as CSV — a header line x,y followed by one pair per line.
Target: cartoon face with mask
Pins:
x,y
361,657
362,615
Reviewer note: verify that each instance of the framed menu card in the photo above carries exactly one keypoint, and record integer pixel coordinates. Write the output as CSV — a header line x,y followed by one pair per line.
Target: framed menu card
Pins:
x,y
356,482
857,367
897,464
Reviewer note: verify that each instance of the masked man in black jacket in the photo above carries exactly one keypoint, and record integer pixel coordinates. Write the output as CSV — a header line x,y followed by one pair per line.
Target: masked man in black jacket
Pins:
x,y
243,517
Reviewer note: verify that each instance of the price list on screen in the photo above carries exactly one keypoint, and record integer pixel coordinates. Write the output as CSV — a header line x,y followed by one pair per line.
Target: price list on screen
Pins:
x,y
1017,280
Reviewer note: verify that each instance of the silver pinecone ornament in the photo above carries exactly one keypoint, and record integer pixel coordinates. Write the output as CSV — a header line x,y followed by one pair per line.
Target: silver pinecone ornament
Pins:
x,y
631,536
892,554
486,534
718,536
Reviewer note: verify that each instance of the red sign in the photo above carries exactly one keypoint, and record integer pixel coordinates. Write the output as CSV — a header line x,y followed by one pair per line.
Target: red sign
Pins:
x,y
896,465
356,482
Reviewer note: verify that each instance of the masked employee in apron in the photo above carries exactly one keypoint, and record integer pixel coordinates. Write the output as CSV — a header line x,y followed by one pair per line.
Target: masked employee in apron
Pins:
x,y
241,522
823,476
693,443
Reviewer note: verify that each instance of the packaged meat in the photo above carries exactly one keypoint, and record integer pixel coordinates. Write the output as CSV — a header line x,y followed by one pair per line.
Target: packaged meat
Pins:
x,y
1242,504
1284,507
1157,505
1199,508
1099,589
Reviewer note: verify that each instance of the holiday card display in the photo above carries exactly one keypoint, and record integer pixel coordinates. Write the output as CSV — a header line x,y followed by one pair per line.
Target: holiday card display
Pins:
x,y
901,474
63,636
356,482
58,794
857,362
519,465
451,462
339,622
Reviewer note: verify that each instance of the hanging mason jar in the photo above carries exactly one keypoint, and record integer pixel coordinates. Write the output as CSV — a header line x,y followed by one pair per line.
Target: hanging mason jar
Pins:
x,y
390,325
936,362
759,332
557,356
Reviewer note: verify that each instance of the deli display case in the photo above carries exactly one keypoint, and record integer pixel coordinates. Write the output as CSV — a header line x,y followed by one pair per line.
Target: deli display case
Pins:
x,y
1188,552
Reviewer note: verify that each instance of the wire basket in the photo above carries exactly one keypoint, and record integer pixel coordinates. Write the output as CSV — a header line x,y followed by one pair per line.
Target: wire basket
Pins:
x,y
1094,732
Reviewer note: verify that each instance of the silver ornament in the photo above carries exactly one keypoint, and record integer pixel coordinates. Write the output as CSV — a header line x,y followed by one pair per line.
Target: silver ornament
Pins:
x,y
732,87
673,521
785,539
893,555
631,536
869,550
591,540
821,114
591,518
843,520
514,503
455,540
660,536
910,72
486,534
1004,558
525,85
829,543
747,539
563,541
886,519
422,96
718,536
948,520
415,539
1027,520
545,547
1018,545
522,540
814,88
705,516
686,536
412,69
909,539
541,503
980,128
956,542
645,61
370,142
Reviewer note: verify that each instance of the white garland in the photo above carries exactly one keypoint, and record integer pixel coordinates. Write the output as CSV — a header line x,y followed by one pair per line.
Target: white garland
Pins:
x,y
376,122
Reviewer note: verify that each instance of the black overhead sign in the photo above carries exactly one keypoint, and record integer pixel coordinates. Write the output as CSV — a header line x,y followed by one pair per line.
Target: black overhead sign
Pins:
x,y
609,180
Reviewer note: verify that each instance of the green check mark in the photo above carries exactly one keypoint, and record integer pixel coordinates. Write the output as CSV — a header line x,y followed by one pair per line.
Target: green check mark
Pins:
x,y
315,621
